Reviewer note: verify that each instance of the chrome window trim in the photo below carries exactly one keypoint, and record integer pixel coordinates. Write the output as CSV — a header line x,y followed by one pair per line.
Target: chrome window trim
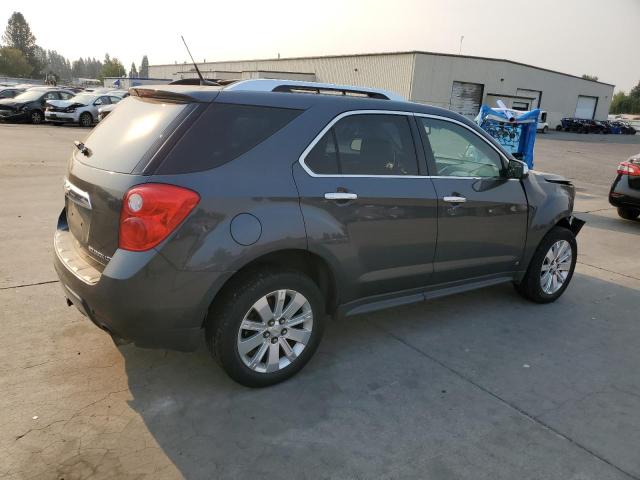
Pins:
x,y
339,117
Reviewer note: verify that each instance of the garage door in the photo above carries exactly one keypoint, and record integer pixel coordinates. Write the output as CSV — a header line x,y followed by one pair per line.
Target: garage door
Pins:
x,y
466,98
586,107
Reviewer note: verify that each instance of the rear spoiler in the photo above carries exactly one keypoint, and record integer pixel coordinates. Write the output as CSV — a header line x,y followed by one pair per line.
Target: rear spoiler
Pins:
x,y
176,94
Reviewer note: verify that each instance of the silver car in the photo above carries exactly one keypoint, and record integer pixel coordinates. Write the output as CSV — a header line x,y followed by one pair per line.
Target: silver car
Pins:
x,y
81,109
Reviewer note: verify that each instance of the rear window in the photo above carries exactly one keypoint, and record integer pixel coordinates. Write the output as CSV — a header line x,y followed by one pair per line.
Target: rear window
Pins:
x,y
223,133
132,132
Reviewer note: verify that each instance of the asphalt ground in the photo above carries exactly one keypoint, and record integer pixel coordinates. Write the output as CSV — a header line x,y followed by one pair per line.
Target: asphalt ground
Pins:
x,y
482,385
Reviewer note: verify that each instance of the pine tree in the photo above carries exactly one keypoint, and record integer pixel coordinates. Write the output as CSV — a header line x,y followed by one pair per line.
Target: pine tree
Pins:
x,y
144,67
133,73
18,35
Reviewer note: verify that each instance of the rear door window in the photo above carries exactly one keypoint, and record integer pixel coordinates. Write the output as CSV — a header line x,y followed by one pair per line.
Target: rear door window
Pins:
x,y
222,133
131,133
366,144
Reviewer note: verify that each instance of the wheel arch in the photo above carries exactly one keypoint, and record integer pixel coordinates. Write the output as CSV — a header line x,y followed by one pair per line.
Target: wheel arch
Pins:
x,y
311,264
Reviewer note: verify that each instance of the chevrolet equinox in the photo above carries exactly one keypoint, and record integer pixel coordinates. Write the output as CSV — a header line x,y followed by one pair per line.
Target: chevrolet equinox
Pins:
x,y
249,213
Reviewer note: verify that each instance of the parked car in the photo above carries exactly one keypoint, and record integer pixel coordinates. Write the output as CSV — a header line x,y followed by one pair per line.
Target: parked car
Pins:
x,y
104,111
81,109
29,105
625,127
10,92
247,213
543,126
625,190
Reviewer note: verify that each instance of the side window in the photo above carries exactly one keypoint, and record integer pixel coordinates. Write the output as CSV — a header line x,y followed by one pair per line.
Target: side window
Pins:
x,y
366,144
65,95
115,99
51,96
224,132
458,152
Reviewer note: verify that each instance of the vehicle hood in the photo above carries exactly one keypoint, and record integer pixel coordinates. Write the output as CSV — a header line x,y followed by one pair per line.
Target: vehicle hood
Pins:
x,y
10,104
551,177
65,103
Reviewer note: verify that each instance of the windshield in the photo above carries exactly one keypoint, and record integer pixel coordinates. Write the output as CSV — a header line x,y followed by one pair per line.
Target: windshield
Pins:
x,y
83,98
123,138
29,96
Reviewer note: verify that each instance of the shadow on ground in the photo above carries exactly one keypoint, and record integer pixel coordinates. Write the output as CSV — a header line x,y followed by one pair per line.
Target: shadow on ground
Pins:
x,y
480,385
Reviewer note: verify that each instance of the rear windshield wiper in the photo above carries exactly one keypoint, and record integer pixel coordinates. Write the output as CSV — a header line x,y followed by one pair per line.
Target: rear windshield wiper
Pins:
x,y
84,150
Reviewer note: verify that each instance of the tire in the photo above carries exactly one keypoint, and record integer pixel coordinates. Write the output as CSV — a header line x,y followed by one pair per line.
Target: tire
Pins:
x,y
533,286
238,304
628,213
36,117
86,120
545,129
559,128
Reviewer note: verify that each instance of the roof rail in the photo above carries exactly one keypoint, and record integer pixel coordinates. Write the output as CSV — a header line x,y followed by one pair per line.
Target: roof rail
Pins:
x,y
295,86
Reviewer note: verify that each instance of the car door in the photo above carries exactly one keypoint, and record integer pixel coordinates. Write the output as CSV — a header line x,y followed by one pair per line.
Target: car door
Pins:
x,y
367,203
482,214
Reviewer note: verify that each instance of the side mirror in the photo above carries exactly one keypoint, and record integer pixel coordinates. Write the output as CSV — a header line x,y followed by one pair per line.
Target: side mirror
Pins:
x,y
517,169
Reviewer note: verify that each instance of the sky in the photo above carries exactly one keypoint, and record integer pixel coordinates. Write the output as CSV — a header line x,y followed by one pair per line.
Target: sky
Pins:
x,y
572,36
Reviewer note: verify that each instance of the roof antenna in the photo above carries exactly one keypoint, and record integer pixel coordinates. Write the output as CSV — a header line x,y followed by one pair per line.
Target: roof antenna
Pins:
x,y
202,80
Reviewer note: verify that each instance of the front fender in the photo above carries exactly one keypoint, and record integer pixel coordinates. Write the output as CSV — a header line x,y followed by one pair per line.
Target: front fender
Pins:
x,y
551,200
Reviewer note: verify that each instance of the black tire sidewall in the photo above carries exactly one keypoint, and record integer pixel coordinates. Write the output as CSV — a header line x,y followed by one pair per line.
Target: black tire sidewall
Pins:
x,y
222,334
628,213
40,116
85,115
530,286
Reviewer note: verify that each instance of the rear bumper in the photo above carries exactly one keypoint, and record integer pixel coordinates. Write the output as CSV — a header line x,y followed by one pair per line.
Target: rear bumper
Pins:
x,y
622,194
140,297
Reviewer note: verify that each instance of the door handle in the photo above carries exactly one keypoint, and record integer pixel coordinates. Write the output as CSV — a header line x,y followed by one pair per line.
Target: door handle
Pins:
x,y
340,196
454,199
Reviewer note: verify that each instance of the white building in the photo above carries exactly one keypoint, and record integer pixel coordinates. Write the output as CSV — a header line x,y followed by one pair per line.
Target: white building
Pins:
x,y
457,82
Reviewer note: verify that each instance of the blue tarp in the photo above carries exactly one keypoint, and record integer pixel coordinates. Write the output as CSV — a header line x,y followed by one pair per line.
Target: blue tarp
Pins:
x,y
514,130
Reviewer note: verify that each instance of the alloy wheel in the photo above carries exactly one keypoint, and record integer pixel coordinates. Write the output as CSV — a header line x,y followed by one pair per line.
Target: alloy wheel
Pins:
x,y
36,118
556,266
275,331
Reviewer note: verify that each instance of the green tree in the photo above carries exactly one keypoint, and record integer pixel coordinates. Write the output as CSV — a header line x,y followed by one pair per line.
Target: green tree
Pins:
x,y
635,91
111,67
590,77
144,67
18,35
13,63
133,73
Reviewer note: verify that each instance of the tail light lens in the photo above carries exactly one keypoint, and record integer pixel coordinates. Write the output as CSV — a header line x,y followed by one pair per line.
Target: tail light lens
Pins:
x,y
628,168
151,212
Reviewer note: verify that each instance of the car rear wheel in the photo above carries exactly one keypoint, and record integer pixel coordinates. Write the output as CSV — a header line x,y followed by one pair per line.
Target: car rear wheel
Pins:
x,y
266,326
545,129
86,120
551,267
36,117
629,213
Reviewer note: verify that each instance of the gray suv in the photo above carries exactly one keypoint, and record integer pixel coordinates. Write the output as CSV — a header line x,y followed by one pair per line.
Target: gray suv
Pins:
x,y
247,213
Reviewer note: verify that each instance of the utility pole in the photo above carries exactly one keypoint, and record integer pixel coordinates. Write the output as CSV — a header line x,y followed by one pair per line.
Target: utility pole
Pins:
x,y
461,39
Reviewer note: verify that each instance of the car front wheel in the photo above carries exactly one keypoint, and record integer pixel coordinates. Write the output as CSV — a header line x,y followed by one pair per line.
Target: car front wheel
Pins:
x,y
36,117
551,267
86,120
266,326
628,213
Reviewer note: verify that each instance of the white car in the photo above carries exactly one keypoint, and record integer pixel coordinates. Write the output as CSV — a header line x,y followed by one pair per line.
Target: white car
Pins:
x,y
542,126
81,109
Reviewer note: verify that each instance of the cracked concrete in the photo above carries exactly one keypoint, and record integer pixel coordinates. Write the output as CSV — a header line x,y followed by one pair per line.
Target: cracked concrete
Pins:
x,y
438,390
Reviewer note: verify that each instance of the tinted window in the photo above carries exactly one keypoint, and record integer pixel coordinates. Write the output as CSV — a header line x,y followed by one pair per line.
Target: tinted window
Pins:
x,y
66,95
458,152
369,144
51,96
115,99
124,138
222,133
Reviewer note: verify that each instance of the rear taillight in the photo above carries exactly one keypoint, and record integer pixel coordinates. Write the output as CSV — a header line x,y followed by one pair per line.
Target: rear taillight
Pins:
x,y
628,168
152,211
